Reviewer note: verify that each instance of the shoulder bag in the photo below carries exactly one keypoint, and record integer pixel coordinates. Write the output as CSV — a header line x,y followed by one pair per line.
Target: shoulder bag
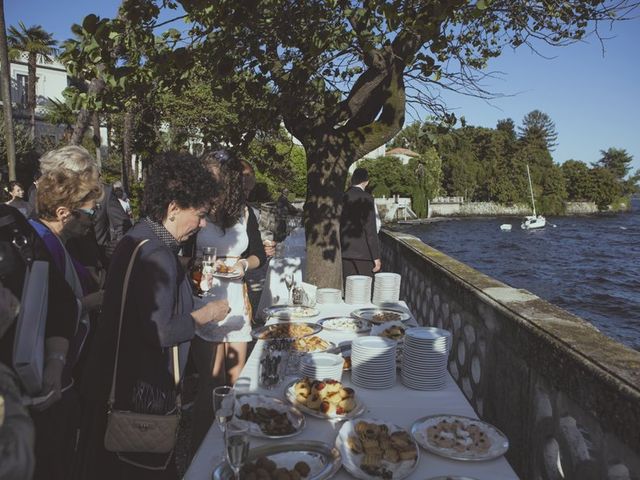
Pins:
x,y
130,432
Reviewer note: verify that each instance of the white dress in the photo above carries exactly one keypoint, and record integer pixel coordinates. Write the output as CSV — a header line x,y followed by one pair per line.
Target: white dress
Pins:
x,y
230,244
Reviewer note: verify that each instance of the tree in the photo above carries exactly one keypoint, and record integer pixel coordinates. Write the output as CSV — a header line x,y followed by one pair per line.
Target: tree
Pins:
x,y
5,90
577,180
605,187
339,72
537,127
616,160
507,126
35,41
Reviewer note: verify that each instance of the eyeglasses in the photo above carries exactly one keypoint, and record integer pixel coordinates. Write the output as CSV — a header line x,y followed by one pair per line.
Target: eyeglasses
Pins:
x,y
89,212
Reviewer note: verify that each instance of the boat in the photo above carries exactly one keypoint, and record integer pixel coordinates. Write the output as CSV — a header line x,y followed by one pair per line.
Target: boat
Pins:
x,y
505,227
534,221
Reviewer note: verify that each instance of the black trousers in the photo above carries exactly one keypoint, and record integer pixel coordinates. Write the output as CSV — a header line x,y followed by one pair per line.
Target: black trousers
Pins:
x,y
352,266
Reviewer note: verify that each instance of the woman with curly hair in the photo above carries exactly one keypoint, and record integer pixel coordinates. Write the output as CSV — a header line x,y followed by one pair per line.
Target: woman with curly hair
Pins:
x,y
220,350
158,314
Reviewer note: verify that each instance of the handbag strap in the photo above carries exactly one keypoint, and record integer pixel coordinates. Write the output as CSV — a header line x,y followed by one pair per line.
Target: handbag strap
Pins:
x,y
176,370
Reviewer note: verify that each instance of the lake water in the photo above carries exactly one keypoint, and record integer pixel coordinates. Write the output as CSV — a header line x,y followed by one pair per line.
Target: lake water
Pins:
x,y
587,265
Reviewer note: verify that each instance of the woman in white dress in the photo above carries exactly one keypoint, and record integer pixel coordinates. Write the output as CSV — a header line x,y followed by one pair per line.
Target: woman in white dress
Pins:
x,y
220,351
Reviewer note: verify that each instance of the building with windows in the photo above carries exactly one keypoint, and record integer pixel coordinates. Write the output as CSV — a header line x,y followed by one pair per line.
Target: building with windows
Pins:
x,y
52,79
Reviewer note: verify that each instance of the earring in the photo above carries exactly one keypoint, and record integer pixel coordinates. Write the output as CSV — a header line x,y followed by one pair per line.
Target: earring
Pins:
x,y
171,219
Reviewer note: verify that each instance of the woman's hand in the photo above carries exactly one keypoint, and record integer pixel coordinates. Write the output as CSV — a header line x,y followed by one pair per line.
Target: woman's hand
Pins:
x,y
215,311
52,382
241,267
93,301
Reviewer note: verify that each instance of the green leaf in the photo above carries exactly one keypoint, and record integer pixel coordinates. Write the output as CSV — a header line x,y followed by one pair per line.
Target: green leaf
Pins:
x,y
90,23
481,5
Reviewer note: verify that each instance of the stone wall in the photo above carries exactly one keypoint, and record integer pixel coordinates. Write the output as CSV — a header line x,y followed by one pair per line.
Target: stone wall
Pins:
x,y
567,397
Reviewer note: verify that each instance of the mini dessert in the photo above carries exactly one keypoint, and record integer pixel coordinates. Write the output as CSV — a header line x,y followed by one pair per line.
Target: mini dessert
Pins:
x,y
310,344
265,469
380,450
395,332
271,421
383,317
458,436
289,330
329,397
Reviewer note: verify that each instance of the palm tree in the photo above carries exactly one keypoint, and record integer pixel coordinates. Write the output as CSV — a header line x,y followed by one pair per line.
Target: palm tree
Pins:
x,y
35,41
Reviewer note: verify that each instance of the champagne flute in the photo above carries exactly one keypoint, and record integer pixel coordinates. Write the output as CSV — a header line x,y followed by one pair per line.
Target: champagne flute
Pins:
x,y
236,446
209,255
223,405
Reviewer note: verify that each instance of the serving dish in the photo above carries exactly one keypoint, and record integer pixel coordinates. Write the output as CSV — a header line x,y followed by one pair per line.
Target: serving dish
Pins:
x,y
393,330
381,315
357,439
290,311
285,331
324,460
345,324
459,437
291,396
267,416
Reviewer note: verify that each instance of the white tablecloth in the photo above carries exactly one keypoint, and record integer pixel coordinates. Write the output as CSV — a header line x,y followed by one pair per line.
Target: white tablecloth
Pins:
x,y
399,405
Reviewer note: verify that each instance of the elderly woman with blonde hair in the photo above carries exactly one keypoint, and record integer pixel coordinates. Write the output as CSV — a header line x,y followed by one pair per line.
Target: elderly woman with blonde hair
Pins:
x,y
65,204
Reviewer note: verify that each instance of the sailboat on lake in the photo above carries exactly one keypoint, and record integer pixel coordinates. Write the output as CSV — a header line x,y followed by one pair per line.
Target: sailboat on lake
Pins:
x,y
532,221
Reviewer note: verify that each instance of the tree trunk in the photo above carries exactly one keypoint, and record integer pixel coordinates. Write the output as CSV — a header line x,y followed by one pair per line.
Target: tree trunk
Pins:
x,y
96,87
327,170
31,93
127,142
5,82
97,140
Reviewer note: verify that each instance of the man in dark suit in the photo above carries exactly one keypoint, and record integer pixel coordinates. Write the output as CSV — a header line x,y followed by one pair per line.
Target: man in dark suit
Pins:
x,y
358,236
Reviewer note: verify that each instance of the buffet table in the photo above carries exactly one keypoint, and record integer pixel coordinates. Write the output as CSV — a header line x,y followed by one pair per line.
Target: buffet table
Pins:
x,y
400,405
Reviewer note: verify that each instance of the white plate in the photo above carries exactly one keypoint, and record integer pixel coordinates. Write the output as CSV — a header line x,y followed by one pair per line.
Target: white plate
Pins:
x,y
288,311
351,461
228,275
498,447
257,400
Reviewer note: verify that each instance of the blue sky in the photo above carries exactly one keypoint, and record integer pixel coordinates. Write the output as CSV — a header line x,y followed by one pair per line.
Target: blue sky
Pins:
x,y
594,99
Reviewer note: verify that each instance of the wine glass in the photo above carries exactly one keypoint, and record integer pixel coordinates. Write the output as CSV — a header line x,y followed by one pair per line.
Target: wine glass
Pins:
x,y
236,440
223,405
196,275
288,281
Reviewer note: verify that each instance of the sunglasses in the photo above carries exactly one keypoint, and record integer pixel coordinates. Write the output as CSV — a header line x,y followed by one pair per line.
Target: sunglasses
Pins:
x,y
89,212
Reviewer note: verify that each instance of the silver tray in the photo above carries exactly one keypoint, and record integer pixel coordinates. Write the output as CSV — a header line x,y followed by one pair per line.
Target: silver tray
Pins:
x,y
258,332
351,461
499,441
258,400
291,398
324,460
362,328
368,313
290,311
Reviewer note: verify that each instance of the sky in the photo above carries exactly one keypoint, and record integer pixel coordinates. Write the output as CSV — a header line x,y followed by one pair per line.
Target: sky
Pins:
x,y
592,97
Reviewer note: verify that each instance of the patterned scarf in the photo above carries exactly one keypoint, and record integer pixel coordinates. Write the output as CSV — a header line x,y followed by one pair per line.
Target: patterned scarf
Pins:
x,y
163,234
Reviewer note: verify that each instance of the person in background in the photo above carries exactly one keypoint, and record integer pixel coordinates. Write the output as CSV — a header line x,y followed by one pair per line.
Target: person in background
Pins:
x,y
31,193
220,350
249,183
358,235
159,313
16,191
111,223
122,197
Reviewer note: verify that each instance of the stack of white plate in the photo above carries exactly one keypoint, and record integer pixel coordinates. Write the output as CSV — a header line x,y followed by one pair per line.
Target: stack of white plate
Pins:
x,y
373,362
386,288
424,358
357,290
328,295
322,366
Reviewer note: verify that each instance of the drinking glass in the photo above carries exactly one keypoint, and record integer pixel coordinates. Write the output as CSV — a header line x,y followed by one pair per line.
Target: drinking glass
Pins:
x,y
196,275
236,440
208,267
223,405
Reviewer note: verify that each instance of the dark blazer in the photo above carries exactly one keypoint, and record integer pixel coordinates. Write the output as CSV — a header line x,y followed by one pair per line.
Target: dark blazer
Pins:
x,y
358,236
157,316
111,221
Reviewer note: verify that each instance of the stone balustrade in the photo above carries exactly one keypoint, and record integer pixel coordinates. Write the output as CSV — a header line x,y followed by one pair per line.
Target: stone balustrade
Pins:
x,y
567,396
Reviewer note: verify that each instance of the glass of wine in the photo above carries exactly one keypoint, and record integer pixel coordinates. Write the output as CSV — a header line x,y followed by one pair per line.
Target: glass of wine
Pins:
x,y
223,405
196,275
236,440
